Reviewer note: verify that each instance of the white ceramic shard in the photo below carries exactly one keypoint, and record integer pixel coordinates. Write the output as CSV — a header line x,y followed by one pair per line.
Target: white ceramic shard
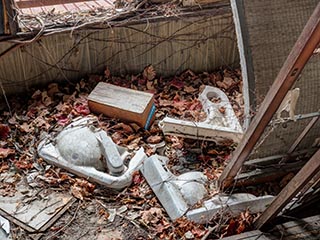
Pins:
x,y
217,126
176,194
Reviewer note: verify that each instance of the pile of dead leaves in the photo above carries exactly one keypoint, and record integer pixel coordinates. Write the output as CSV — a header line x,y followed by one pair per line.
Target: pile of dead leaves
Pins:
x,y
49,110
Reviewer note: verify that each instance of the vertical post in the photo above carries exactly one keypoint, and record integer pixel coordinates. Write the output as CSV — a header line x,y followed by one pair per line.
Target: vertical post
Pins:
x,y
291,69
310,169
11,17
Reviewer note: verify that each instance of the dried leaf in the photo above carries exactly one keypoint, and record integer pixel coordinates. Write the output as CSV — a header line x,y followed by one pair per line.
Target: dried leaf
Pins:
x,y
189,89
23,164
152,215
137,178
222,110
107,73
27,128
53,89
4,131
87,186
177,84
82,109
46,100
149,73
77,192
154,139
5,152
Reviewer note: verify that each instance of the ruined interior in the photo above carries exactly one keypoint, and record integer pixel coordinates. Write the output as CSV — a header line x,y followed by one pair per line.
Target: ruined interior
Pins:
x,y
159,119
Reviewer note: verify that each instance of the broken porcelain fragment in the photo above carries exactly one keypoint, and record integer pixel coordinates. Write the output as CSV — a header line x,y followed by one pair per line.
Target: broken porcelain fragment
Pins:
x,y
88,152
178,194
221,123
4,227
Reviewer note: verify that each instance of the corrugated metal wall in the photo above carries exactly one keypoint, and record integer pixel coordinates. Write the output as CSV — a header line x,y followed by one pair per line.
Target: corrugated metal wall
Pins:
x,y
200,43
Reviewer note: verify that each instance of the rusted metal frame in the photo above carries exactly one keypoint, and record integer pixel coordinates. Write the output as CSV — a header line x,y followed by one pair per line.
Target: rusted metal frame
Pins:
x,y
311,168
12,16
291,69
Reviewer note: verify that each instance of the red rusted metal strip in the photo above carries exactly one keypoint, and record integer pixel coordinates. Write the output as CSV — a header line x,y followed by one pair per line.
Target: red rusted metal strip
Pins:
x,y
298,57
307,173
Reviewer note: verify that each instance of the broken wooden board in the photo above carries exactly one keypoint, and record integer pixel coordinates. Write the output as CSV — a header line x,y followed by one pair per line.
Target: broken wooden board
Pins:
x,y
34,210
267,174
252,235
123,103
306,228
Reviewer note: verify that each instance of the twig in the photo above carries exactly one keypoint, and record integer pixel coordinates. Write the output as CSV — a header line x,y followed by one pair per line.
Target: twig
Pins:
x,y
210,230
65,226
36,37
5,98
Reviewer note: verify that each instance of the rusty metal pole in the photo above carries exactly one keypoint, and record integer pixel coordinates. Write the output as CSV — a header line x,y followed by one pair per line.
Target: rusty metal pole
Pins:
x,y
291,69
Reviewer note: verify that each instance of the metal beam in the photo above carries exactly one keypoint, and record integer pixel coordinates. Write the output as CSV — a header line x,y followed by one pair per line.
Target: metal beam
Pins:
x,y
290,71
307,173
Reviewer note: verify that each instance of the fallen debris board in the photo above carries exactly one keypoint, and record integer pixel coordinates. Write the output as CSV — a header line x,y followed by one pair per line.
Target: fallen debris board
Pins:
x,y
123,103
252,235
34,210
306,228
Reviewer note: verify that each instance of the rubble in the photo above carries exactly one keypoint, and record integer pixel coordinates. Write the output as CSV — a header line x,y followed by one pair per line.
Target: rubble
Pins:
x,y
97,148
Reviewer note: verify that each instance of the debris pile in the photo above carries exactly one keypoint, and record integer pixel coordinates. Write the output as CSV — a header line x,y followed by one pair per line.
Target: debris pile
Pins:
x,y
43,117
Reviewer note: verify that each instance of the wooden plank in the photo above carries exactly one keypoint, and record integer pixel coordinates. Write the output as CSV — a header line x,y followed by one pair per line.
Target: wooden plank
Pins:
x,y
11,17
252,235
313,220
290,71
306,228
2,13
266,175
303,134
293,187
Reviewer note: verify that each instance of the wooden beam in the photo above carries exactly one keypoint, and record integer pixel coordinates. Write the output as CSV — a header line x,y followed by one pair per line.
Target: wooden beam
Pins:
x,y
311,168
290,71
303,134
11,17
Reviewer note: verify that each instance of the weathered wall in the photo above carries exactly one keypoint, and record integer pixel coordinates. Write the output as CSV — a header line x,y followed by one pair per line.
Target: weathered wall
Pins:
x,y
201,43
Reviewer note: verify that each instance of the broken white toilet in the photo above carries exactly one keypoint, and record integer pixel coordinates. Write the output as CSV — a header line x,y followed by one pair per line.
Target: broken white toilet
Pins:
x,y
218,126
88,152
